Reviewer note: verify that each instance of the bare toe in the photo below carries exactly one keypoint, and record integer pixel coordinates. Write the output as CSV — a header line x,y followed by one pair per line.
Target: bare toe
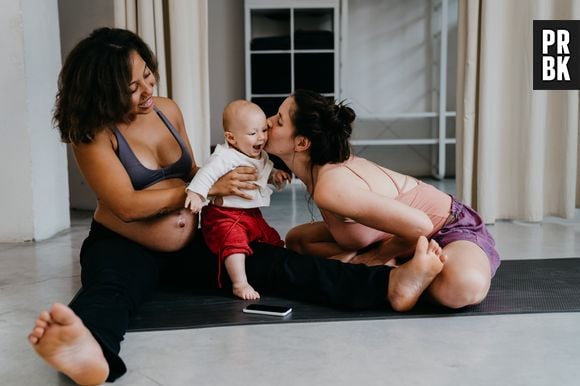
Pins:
x,y
253,295
408,281
44,316
433,246
38,332
422,245
69,347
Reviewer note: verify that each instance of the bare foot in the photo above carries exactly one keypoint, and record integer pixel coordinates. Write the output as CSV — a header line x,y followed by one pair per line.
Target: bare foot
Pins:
x,y
63,341
245,291
407,282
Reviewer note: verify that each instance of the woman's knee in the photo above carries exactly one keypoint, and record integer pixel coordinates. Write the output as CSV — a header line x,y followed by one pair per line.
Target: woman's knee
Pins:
x,y
458,291
294,239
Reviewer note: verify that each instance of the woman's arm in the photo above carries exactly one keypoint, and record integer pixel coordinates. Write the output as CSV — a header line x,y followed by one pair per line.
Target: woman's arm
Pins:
x,y
385,251
335,193
109,180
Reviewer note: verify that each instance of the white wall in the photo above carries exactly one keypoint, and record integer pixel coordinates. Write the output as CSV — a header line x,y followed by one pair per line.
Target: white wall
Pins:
x,y
34,202
391,67
226,59
78,18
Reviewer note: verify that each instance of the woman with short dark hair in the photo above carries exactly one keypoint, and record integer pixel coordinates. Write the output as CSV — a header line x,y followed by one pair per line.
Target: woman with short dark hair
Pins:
x,y
369,207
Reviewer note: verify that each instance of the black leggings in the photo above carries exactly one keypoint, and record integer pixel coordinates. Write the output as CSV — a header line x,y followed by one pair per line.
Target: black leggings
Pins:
x,y
118,275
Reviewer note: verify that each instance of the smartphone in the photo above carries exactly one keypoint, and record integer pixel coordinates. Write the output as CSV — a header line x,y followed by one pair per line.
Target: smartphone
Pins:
x,y
265,309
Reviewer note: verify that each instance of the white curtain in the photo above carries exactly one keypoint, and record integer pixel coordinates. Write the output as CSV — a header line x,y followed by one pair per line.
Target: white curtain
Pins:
x,y
517,148
183,62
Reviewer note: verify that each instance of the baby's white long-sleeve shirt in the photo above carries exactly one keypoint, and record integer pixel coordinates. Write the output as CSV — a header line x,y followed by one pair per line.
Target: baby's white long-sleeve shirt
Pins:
x,y
223,160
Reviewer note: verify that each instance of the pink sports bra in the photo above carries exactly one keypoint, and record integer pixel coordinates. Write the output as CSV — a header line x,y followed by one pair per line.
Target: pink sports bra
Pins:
x,y
351,235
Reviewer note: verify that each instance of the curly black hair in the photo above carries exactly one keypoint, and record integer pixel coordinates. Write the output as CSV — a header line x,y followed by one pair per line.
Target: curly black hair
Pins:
x,y
93,85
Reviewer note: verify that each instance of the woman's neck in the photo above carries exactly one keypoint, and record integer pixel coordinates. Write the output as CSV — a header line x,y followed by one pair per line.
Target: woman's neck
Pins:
x,y
300,165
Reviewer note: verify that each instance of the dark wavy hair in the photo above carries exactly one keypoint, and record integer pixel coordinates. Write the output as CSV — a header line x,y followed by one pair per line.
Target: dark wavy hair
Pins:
x,y
326,123
93,85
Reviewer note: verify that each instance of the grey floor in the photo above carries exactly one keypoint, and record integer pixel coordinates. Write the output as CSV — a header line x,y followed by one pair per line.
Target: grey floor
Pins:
x,y
532,349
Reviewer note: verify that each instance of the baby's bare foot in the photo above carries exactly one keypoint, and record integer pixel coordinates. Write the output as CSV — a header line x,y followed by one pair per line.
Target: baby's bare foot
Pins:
x,y
245,291
407,282
63,341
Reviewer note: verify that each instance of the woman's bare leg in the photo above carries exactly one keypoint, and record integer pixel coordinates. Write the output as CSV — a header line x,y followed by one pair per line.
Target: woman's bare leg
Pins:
x,y
408,281
63,341
315,239
465,278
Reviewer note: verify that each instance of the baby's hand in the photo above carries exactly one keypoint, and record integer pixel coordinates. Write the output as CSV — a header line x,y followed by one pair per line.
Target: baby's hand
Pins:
x,y
279,178
193,201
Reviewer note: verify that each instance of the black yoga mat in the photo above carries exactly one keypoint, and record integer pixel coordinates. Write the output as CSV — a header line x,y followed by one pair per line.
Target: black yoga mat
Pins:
x,y
520,286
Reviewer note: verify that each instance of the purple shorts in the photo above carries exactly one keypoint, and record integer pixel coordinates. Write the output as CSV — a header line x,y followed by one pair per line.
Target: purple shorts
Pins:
x,y
467,225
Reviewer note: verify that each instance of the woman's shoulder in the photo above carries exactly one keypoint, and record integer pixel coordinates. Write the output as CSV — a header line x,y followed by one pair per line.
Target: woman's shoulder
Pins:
x,y
351,173
103,141
170,109
343,169
353,166
329,178
167,106
164,102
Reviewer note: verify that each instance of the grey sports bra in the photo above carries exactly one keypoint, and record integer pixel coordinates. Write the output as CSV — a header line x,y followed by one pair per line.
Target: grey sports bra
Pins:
x,y
142,177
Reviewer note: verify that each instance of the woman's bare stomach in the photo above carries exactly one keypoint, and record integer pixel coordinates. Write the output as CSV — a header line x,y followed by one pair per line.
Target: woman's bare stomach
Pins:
x,y
169,232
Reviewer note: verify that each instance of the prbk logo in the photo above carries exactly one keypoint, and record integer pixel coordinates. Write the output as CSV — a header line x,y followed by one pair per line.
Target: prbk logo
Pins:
x,y
556,54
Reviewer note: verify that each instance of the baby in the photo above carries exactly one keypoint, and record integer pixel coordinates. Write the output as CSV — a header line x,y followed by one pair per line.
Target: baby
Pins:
x,y
229,226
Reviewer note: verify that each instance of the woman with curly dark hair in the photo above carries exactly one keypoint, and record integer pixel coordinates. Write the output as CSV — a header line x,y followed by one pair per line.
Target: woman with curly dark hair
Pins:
x,y
133,150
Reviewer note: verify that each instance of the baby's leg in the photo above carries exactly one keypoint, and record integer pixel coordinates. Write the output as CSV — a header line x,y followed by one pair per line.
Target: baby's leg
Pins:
x,y
236,267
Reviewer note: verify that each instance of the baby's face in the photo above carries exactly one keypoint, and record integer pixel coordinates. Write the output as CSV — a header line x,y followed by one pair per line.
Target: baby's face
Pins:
x,y
250,133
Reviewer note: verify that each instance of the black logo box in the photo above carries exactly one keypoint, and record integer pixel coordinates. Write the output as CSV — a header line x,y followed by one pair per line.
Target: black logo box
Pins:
x,y
573,28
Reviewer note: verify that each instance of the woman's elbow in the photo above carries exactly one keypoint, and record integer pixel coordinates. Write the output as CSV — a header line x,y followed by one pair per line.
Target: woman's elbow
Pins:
x,y
126,213
427,228
423,227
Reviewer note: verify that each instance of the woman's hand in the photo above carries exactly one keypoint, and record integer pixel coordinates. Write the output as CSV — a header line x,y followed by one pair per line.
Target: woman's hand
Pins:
x,y
235,183
385,252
